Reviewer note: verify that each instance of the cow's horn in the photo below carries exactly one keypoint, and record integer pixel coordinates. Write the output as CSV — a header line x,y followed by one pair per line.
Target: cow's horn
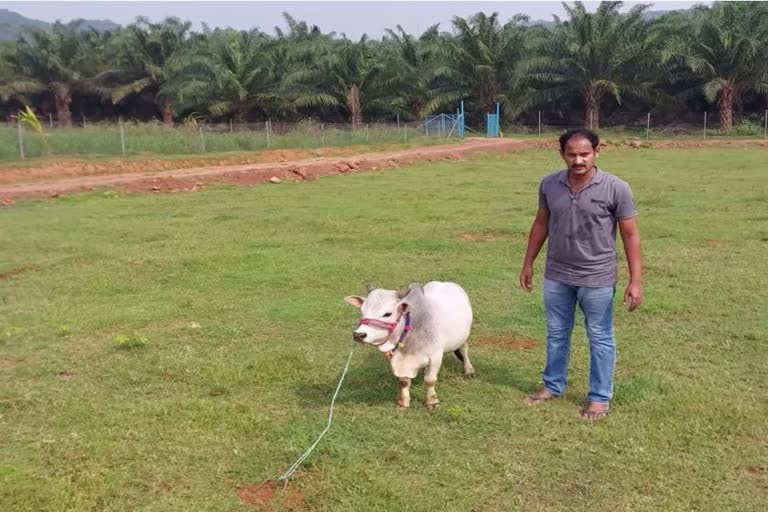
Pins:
x,y
369,287
403,292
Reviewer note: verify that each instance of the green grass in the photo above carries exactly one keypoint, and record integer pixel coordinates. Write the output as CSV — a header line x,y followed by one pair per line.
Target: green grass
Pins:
x,y
102,140
159,351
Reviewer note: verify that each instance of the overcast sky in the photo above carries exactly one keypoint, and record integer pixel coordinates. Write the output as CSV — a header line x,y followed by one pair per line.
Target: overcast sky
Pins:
x,y
351,17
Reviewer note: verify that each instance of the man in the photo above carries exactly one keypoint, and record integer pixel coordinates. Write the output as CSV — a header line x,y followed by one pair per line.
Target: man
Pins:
x,y
579,209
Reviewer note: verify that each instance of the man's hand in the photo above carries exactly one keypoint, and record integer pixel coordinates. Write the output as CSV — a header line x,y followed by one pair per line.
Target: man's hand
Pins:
x,y
526,278
633,295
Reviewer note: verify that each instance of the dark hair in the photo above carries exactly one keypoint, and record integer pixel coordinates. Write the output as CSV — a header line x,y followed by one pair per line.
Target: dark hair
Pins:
x,y
579,132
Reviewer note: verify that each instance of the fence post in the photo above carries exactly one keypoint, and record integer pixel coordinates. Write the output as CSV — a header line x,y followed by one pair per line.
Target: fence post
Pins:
x,y
266,128
322,135
406,132
398,121
50,120
648,127
84,124
705,125
539,123
21,139
122,136
231,130
366,133
202,139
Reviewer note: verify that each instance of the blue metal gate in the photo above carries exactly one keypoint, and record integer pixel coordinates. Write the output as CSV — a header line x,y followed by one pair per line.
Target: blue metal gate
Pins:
x,y
492,124
445,125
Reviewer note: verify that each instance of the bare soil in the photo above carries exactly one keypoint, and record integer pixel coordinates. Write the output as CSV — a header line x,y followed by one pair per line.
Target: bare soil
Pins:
x,y
53,179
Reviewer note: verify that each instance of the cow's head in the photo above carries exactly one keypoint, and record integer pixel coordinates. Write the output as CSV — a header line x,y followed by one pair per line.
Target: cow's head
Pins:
x,y
381,312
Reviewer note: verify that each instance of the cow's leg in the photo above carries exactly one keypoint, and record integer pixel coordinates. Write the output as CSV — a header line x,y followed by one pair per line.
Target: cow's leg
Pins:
x,y
430,378
469,370
405,393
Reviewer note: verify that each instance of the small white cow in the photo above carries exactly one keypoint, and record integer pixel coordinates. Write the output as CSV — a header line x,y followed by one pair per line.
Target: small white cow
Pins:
x,y
414,327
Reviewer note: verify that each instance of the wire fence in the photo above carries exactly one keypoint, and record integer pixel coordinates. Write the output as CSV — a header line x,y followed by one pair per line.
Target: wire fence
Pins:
x,y
118,138
21,142
650,125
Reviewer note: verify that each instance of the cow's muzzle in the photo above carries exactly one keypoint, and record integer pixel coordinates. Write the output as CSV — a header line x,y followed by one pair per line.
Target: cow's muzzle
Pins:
x,y
359,336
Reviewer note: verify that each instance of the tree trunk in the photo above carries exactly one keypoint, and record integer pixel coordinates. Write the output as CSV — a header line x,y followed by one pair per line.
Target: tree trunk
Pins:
x,y
167,113
591,110
63,115
727,95
239,115
353,106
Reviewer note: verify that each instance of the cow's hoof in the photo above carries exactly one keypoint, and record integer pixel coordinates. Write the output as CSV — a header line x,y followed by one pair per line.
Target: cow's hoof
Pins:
x,y
401,406
470,375
433,405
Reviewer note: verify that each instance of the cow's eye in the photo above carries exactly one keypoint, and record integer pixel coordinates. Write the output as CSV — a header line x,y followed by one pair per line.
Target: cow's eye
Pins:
x,y
387,314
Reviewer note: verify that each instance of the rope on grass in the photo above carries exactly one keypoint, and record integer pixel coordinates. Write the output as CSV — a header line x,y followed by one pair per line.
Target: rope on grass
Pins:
x,y
304,456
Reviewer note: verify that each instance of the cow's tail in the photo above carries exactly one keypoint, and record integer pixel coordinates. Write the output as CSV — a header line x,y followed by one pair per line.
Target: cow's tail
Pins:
x,y
458,354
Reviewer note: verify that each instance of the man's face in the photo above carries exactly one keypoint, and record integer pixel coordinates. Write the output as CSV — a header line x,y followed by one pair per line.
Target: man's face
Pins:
x,y
579,155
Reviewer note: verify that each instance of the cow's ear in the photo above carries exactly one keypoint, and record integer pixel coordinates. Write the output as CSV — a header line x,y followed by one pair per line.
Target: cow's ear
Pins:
x,y
355,300
403,307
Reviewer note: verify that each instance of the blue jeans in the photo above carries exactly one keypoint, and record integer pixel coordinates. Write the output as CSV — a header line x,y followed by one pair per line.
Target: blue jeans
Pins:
x,y
597,304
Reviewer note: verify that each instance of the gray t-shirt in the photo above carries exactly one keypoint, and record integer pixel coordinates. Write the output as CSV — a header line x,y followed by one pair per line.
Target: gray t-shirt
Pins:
x,y
581,250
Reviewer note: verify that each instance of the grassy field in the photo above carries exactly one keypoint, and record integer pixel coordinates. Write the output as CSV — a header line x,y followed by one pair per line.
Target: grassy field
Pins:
x,y
102,140
159,351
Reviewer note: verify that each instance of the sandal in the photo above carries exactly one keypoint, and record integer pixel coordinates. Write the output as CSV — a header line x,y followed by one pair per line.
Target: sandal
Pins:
x,y
536,399
591,415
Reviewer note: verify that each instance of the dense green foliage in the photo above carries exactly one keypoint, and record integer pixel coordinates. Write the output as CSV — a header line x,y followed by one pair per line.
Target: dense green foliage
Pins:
x,y
585,68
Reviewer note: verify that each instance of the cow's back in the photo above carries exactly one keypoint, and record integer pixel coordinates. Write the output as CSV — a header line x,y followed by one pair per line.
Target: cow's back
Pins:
x,y
452,312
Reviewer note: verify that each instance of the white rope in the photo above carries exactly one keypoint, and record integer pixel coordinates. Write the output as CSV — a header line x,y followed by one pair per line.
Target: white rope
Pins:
x,y
304,456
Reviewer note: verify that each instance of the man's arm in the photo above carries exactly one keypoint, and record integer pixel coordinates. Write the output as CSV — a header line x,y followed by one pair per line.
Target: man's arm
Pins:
x,y
536,239
630,235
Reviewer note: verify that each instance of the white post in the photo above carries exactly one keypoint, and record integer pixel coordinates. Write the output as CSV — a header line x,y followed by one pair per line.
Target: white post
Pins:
x,y
266,128
398,121
322,135
648,127
122,136
83,120
202,139
539,123
50,120
366,133
406,132
21,139
705,125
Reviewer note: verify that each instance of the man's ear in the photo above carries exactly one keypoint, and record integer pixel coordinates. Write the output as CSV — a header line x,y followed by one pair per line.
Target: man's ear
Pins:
x,y
354,300
403,308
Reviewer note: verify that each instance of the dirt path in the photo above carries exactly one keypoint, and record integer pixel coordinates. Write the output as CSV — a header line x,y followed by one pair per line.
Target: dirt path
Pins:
x,y
154,175
194,178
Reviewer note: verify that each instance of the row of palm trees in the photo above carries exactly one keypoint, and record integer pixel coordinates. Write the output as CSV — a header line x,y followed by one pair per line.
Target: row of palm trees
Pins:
x,y
590,62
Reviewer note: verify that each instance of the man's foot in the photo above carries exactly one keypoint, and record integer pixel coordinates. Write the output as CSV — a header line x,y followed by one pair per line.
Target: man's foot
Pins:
x,y
539,397
595,411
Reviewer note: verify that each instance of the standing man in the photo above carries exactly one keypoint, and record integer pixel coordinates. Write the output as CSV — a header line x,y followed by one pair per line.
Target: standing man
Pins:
x,y
579,209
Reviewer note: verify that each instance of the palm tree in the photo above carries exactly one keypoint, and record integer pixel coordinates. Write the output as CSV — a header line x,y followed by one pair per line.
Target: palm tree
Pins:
x,y
232,73
149,50
411,66
481,61
13,85
593,55
339,75
58,62
723,48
